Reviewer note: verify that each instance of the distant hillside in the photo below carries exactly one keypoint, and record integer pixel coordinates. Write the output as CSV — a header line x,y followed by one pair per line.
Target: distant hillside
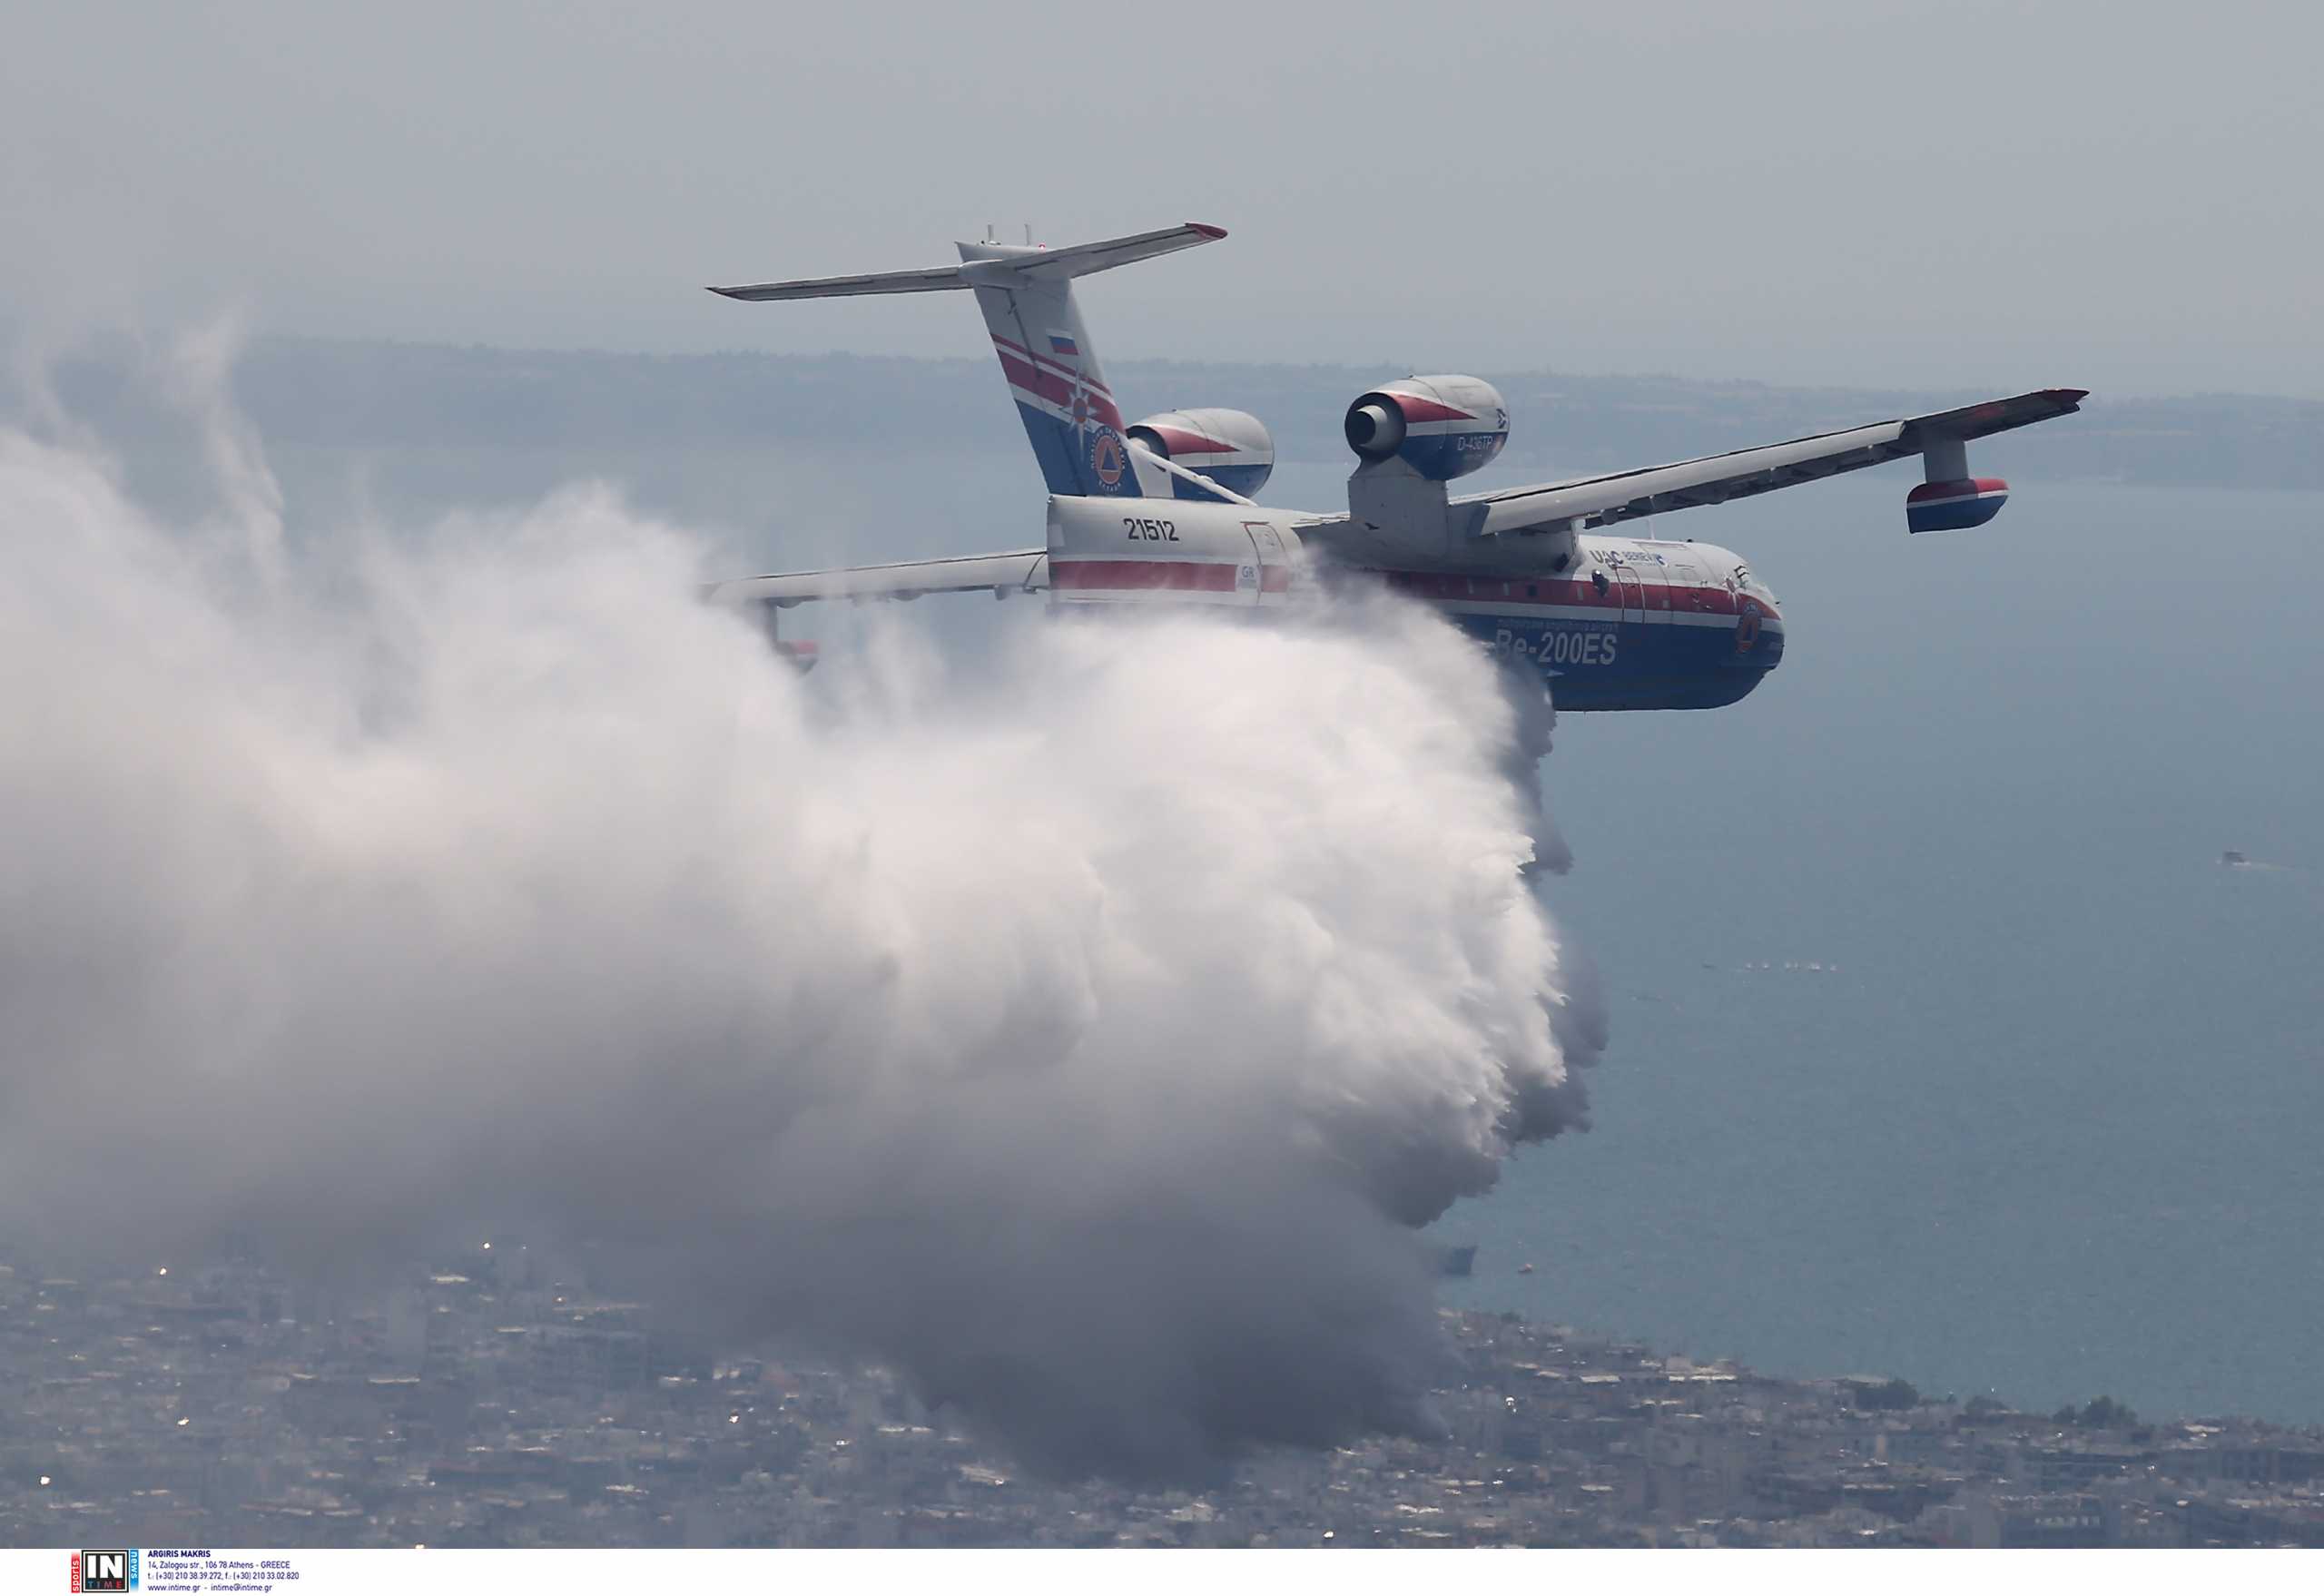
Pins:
x,y
350,394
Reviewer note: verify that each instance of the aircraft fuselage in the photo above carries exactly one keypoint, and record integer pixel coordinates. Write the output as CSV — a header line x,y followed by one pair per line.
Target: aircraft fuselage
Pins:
x,y
1611,621
1636,624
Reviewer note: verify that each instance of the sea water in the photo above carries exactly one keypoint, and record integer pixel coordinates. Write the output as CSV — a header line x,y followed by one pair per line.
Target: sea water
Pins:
x,y
1943,1044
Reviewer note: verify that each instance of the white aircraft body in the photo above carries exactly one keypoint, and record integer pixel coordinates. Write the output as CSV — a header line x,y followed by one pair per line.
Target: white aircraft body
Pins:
x,y
1157,511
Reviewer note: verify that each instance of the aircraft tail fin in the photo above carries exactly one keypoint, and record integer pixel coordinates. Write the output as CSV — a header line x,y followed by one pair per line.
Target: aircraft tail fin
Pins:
x,y
1026,293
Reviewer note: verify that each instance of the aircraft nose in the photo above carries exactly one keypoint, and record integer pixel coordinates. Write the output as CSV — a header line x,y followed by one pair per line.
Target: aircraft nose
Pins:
x,y
1759,632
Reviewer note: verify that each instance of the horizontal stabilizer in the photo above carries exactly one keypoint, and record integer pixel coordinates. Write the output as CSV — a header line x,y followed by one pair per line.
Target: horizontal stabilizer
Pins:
x,y
1081,260
1038,264
934,279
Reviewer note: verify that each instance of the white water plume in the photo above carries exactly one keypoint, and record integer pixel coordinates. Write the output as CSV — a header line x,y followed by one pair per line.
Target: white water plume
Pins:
x,y
1081,1029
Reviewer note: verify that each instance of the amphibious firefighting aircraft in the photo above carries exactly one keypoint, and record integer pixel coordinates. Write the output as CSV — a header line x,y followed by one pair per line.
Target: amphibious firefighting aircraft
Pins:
x,y
1157,511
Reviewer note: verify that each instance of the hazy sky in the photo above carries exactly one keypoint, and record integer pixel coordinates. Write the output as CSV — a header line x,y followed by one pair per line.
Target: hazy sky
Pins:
x,y
1912,196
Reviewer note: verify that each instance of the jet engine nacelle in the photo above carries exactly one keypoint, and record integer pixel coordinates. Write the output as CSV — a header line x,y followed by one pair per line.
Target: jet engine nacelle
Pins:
x,y
1232,448
1441,427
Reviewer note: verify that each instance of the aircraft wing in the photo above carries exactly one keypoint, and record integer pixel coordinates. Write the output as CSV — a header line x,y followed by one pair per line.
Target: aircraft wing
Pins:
x,y
1601,501
1024,570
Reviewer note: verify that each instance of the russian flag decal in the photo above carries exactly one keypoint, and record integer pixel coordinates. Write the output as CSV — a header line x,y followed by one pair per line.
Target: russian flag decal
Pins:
x,y
1062,344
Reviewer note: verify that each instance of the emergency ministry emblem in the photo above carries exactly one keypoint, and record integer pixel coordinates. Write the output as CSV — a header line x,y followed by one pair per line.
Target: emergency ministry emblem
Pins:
x,y
1107,458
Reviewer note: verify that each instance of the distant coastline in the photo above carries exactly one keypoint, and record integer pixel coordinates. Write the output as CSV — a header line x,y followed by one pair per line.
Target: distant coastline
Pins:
x,y
516,1407
337,393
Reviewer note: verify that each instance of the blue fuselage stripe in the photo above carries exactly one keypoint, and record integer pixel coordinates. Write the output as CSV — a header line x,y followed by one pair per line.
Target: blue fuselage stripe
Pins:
x,y
1610,664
